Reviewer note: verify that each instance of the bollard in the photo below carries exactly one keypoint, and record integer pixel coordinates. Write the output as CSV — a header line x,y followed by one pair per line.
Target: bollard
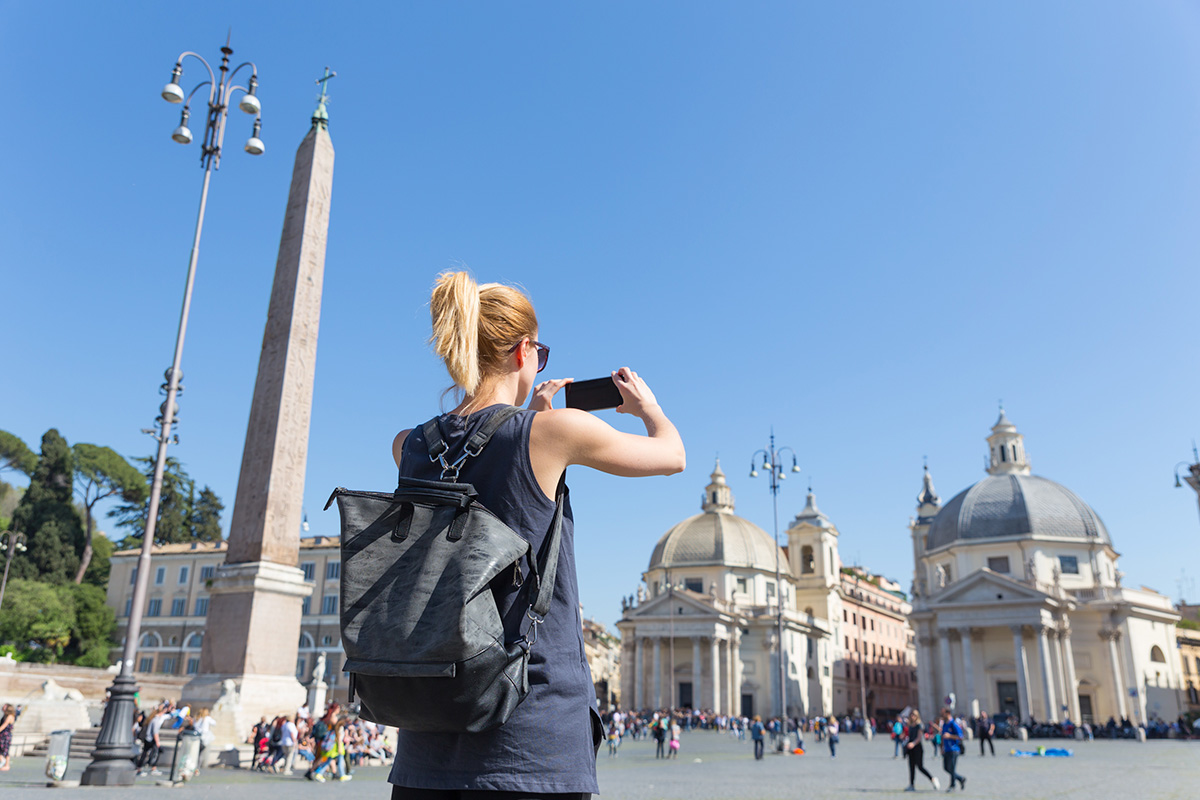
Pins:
x,y
1141,734
1023,733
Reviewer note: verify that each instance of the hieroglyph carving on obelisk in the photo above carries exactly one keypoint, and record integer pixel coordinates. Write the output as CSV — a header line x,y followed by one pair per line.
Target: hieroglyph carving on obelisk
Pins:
x,y
253,625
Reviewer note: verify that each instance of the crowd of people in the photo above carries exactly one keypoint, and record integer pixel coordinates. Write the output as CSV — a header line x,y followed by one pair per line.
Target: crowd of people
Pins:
x,y
328,747
331,746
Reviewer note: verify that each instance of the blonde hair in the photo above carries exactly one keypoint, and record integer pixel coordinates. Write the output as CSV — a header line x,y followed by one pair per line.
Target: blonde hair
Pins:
x,y
915,717
475,327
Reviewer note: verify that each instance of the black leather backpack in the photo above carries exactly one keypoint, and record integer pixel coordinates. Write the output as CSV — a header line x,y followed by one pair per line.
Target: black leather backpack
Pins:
x,y
425,645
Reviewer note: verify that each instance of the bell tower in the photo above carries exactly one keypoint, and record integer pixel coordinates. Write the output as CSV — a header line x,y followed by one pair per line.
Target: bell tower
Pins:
x,y
1006,449
928,505
813,548
718,497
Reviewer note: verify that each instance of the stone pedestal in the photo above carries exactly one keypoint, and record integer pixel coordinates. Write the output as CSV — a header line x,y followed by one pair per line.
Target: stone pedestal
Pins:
x,y
317,690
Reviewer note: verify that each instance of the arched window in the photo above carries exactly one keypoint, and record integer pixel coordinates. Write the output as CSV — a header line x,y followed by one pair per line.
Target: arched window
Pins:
x,y
806,559
1156,655
306,640
151,639
195,640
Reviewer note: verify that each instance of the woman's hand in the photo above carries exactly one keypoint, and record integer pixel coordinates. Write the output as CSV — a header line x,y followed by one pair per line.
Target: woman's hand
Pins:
x,y
544,393
638,399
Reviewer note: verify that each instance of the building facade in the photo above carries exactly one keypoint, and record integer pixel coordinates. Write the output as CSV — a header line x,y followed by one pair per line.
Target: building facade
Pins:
x,y
704,630
872,646
1019,607
173,626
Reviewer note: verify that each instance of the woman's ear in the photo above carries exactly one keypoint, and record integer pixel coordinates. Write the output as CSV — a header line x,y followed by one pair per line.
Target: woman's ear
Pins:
x,y
520,353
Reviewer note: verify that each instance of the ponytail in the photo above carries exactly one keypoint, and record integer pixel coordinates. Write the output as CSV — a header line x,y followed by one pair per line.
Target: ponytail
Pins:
x,y
454,307
475,327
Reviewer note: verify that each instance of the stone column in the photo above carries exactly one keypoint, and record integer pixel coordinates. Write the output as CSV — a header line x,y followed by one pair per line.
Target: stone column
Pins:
x,y
714,657
1111,636
253,624
972,702
1051,703
1060,673
639,674
926,690
736,659
1021,660
947,667
1072,680
1133,681
697,675
658,667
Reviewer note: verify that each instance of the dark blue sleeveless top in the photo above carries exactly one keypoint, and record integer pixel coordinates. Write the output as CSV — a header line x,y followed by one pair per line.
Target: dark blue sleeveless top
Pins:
x,y
547,744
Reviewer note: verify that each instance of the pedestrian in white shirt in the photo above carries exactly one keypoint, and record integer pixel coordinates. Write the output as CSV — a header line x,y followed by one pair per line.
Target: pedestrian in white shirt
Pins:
x,y
288,743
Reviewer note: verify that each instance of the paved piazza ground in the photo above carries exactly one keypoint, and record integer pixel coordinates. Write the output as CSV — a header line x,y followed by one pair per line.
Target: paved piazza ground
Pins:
x,y
716,766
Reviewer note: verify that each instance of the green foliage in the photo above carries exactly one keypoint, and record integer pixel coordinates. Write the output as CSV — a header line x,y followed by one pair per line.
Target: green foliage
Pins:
x,y
206,516
101,563
99,473
50,623
182,516
16,455
48,518
10,497
37,619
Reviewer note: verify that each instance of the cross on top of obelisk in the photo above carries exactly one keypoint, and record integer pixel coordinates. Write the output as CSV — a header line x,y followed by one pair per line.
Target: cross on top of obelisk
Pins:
x,y
321,115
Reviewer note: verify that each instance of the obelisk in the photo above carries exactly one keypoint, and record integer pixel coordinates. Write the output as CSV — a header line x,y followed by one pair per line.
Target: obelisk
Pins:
x,y
251,638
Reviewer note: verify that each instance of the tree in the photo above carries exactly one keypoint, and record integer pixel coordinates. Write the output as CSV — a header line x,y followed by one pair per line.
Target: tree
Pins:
x,y
182,517
47,516
206,516
37,620
97,571
16,455
93,626
99,473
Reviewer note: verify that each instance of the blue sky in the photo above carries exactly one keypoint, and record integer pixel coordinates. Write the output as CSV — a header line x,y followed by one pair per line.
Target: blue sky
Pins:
x,y
862,224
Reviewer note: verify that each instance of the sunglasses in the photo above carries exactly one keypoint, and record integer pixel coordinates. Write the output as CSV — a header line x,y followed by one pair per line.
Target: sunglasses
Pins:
x,y
543,353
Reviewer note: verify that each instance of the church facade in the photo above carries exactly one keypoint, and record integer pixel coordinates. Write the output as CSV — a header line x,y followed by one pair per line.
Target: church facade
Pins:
x,y
703,631
1019,605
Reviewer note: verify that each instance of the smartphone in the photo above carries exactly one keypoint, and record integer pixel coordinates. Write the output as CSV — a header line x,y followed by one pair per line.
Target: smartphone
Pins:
x,y
593,395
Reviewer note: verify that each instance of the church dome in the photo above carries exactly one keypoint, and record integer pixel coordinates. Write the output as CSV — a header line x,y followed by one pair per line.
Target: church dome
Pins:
x,y
1015,505
718,537
1011,501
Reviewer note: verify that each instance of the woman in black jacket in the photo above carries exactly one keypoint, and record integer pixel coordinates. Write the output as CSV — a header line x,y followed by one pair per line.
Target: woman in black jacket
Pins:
x,y
914,750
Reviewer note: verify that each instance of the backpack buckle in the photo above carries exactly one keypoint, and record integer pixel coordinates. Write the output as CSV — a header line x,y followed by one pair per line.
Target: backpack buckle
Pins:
x,y
535,621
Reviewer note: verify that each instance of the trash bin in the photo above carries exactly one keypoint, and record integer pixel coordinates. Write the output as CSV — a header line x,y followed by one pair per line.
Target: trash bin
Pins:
x,y
58,754
186,762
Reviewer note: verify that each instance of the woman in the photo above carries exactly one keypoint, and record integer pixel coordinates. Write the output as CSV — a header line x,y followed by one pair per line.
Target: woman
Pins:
x,y
8,718
914,751
833,736
487,337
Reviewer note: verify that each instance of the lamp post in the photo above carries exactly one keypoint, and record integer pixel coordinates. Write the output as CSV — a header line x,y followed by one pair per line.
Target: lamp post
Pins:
x,y
861,596
772,463
1193,476
15,544
111,763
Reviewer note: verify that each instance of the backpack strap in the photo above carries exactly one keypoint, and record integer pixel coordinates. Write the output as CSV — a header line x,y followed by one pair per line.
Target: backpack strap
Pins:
x,y
545,569
438,448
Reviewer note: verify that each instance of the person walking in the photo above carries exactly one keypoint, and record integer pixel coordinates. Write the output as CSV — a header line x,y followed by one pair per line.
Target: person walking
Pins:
x,y
914,751
659,730
757,731
897,737
8,718
673,748
985,729
952,737
147,762
289,741
487,337
831,731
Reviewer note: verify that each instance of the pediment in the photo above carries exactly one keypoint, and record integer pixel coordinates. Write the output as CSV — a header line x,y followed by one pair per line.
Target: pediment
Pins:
x,y
661,606
984,586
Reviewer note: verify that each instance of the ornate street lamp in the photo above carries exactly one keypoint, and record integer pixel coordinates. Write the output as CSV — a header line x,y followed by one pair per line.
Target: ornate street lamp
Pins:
x,y
112,763
772,462
1193,476
15,544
